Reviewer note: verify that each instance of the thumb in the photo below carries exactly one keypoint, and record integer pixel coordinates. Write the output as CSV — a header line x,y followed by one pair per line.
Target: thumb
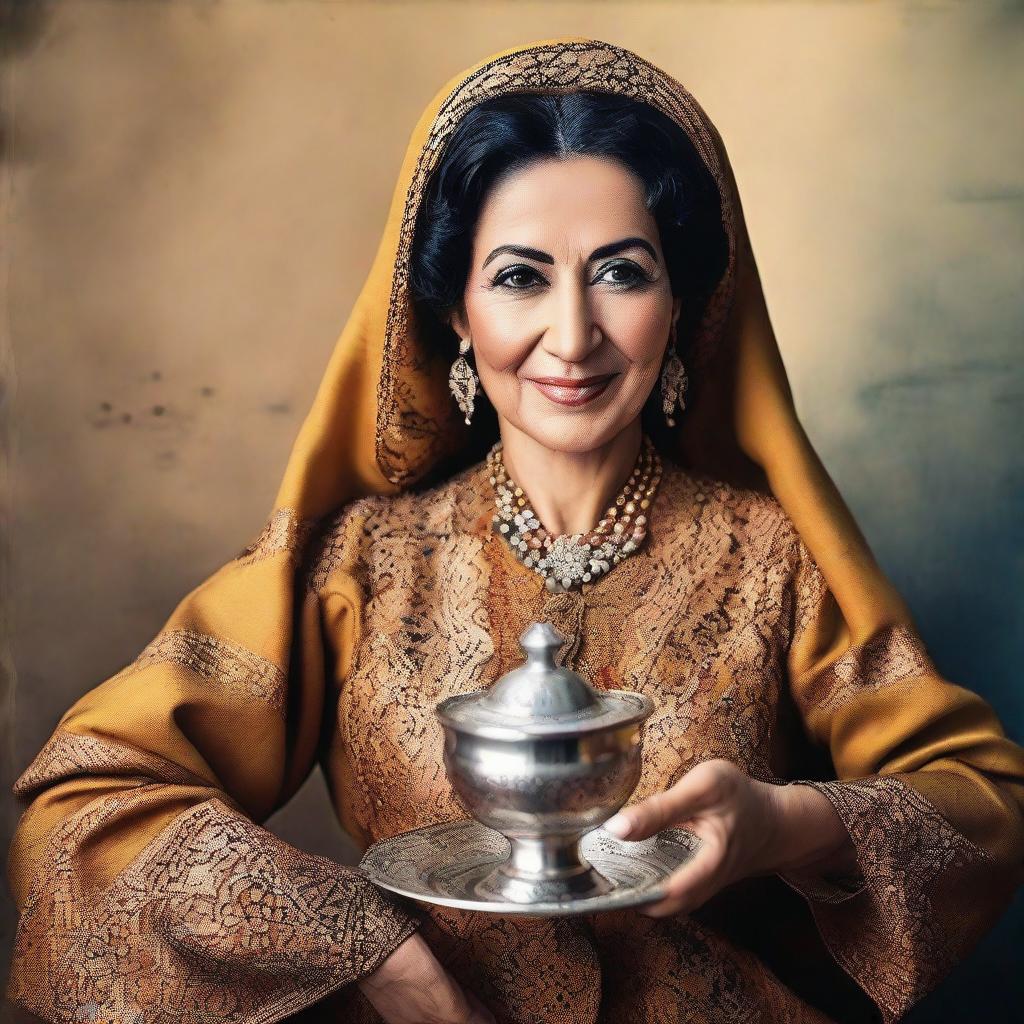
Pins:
x,y
692,793
479,1014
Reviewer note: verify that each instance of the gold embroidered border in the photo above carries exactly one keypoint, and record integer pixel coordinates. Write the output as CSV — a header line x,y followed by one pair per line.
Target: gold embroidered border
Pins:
x,y
893,654
220,661
413,421
216,920
334,544
811,589
66,754
284,531
894,943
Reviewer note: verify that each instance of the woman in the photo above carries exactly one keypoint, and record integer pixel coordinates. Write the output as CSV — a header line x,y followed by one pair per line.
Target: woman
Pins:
x,y
505,434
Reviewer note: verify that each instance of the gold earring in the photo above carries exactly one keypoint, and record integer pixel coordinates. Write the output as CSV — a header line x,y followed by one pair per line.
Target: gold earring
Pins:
x,y
463,381
674,382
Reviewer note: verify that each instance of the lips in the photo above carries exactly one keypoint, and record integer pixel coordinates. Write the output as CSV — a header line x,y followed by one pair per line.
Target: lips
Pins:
x,y
572,392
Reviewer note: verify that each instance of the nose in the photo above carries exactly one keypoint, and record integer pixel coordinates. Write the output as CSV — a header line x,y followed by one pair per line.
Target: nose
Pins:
x,y
572,333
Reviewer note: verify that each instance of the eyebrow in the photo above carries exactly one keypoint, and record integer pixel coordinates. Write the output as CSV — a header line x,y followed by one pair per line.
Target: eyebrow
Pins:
x,y
601,251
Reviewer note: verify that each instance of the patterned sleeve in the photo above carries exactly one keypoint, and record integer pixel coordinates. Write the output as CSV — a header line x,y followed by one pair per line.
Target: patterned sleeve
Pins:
x,y
146,888
928,786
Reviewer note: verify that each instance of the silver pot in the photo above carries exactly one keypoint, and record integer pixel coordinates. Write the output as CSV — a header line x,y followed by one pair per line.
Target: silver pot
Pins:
x,y
543,758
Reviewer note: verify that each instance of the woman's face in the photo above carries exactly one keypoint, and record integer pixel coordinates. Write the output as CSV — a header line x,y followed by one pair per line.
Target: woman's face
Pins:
x,y
567,283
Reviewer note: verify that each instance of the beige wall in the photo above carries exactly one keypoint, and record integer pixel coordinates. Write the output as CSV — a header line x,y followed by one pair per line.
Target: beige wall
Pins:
x,y
194,192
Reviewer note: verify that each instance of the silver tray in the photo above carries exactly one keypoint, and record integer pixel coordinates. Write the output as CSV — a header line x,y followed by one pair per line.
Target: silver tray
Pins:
x,y
450,863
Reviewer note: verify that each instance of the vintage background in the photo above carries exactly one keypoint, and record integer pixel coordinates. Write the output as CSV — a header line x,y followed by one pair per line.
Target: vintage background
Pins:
x,y
193,192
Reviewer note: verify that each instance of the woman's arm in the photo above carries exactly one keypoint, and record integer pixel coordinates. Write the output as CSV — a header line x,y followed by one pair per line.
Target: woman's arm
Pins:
x,y
747,828
145,883
911,853
927,785
809,835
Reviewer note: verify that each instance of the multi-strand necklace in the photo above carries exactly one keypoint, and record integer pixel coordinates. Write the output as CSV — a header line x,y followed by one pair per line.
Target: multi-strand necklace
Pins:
x,y
567,561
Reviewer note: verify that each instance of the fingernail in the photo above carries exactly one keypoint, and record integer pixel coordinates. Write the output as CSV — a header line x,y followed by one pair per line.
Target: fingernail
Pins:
x,y
618,825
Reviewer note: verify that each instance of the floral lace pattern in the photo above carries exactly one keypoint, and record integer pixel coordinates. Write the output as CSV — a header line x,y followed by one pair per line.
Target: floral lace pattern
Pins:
x,y
888,936
892,655
283,531
66,754
700,618
227,664
216,920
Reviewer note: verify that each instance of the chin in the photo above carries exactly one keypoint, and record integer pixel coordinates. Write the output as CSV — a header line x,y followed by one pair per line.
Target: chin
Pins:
x,y
573,433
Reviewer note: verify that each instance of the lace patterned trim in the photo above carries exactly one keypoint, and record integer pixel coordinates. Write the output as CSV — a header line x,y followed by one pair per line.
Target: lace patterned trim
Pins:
x,y
896,949
221,661
66,754
414,421
891,655
810,589
334,544
284,531
217,918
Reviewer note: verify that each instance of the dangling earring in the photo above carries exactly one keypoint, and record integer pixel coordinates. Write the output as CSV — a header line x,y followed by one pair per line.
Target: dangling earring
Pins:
x,y
674,382
463,381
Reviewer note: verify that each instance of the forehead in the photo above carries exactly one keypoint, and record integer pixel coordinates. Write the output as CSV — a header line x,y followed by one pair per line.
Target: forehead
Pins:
x,y
579,197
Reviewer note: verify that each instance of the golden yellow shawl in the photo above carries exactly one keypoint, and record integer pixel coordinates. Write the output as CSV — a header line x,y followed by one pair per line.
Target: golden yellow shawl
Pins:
x,y
219,720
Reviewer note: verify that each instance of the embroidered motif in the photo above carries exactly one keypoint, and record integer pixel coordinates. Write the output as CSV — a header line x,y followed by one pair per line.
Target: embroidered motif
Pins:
x,y
220,661
66,754
890,936
414,422
892,655
217,920
337,536
284,531
700,619
811,590
677,969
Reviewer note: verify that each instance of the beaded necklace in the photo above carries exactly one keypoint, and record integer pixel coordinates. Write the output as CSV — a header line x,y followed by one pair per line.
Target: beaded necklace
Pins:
x,y
571,560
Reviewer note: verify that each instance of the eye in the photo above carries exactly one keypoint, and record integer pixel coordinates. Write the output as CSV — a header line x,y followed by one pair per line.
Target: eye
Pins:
x,y
633,274
520,272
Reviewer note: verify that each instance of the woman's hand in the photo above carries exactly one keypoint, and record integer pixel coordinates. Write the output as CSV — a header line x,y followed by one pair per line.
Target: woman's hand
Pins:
x,y
747,827
411,987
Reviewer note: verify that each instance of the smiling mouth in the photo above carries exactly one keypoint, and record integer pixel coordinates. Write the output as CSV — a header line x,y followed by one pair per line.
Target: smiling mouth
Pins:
x,y
566,391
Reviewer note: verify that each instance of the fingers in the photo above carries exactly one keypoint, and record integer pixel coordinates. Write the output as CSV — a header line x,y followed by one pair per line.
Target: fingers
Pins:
x,y
693,884
695,791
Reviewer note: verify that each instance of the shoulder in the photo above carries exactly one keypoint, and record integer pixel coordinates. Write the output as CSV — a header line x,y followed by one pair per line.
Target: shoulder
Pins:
x,y
368,528
743,515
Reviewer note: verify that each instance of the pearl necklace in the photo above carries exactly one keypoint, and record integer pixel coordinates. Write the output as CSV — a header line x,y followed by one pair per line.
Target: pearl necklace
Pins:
x,y
567,561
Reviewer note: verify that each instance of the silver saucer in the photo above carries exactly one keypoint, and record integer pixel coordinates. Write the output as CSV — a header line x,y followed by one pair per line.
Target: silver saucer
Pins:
x,y
452,862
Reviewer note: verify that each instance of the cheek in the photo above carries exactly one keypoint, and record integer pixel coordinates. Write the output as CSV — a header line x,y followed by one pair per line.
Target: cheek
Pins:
x,y
503,335
639,326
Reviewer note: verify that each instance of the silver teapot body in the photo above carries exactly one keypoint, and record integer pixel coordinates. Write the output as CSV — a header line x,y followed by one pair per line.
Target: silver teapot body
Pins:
x,y
543,758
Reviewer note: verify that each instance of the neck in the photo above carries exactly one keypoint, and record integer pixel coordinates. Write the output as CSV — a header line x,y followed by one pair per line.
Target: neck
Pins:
x,y
570,491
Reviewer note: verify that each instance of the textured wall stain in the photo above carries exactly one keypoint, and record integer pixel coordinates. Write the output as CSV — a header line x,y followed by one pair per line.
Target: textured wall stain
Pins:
x,y
964,376
198,189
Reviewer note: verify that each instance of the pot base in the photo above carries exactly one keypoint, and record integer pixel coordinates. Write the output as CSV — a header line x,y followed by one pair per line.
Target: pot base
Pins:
x,y
460,864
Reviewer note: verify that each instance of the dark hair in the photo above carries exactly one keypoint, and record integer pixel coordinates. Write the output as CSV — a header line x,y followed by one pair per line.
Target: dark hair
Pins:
x,y
503,134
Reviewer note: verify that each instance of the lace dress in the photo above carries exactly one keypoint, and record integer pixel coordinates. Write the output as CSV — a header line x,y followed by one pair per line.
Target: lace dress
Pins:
x,y
722,617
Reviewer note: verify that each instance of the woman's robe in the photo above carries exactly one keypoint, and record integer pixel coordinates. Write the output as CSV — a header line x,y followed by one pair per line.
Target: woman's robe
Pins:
x,y
149,891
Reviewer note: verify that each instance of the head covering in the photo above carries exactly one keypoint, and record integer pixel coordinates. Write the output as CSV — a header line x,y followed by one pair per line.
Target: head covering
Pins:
x,y
383,417
138,868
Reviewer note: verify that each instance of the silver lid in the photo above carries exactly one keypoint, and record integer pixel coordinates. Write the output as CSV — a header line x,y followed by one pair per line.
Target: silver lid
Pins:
x,y
539,698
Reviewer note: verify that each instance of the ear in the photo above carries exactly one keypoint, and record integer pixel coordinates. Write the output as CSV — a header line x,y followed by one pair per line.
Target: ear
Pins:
x,y
457,320
677,308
